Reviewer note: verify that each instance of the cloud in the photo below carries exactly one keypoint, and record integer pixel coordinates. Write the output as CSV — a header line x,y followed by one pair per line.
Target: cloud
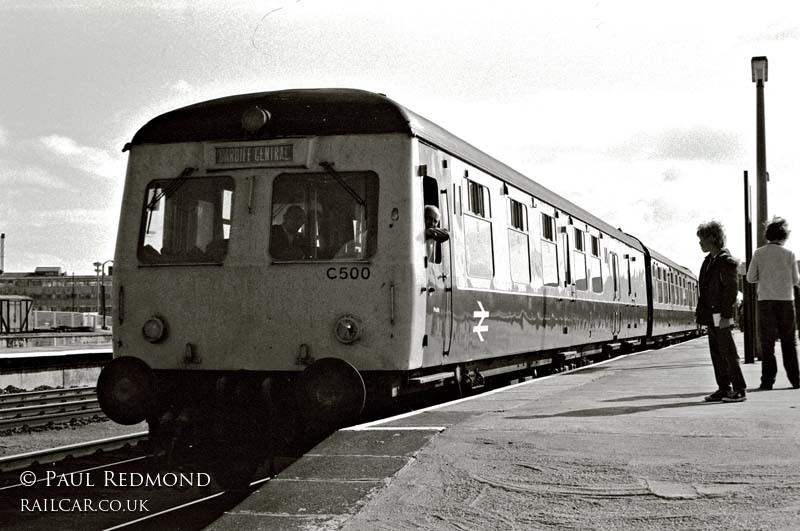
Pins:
x,y
785,34
3,137
671,174
699,143
77,216
15,176
687,144
92,160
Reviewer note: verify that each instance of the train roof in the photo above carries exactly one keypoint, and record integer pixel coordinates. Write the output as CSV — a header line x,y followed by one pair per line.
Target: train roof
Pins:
x,y
312,112
664,260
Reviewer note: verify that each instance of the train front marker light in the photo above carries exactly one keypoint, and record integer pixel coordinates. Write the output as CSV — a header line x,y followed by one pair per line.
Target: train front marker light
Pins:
x,y
154,329
348,329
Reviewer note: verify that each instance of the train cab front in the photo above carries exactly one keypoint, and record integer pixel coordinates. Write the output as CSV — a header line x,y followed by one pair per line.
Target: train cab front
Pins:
x,y
257,280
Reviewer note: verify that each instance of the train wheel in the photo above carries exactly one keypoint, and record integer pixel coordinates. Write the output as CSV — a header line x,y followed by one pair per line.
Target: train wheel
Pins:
x,y
333,393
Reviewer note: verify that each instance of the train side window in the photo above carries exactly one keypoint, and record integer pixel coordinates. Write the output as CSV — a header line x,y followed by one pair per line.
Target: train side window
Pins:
x,y
478,231
567,269
671,287
596,266
550,275
478,199
615,273
518,242
579,262
685,292
630,278
430,191
668,286
673,296
660,284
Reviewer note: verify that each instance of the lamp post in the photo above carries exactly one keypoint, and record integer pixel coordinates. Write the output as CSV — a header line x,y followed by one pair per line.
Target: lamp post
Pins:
x,y
758,66
97,266
103,290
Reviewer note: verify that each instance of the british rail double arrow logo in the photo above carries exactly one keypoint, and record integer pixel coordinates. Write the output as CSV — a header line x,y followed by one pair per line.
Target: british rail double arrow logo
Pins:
x,y
480,327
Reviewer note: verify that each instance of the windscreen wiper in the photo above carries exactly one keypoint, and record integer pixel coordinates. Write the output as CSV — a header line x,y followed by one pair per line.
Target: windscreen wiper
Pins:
x,y
171,188
328,167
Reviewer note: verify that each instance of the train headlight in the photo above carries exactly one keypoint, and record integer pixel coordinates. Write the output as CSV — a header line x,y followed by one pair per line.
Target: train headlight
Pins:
x,y
348,329
154,329
254,119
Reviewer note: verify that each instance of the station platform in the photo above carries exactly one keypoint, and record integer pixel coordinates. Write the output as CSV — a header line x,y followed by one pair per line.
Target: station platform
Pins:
x,y
54,352
627,444
64,366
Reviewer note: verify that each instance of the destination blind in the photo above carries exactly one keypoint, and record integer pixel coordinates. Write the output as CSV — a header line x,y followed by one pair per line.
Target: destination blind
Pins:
x,y
245,154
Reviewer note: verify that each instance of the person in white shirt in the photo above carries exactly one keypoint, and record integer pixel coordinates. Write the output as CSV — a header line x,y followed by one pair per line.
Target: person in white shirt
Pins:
x,y
775,270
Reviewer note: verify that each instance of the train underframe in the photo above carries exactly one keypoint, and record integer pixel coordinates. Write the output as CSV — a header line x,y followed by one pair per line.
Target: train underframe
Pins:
x,y
235,421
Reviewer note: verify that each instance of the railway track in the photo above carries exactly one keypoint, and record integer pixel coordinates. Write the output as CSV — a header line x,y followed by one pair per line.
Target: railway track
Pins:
x,y
39,408
78,474
52,455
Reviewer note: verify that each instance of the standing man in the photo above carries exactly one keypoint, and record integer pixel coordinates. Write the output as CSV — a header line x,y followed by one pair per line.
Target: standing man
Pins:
x,y
774,268
715,308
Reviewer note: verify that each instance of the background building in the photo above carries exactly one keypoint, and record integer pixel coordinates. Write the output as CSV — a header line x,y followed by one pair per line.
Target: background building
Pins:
x,y
53,290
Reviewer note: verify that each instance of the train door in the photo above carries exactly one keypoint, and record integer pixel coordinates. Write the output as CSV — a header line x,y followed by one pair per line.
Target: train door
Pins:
x,y
569,280
439,311
616,314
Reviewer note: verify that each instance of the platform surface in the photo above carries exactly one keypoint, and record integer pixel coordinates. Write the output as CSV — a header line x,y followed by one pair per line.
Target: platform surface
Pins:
x,y
628,444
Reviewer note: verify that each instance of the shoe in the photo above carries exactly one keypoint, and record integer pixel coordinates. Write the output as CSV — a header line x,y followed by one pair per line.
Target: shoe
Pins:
x,y
735,396
717,395
765,387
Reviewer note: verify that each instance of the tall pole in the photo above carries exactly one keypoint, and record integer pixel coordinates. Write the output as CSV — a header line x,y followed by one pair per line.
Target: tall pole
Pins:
x,y
103,290
748,293
97,266
759,68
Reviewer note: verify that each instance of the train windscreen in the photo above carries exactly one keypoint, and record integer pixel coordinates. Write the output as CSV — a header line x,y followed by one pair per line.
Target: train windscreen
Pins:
x,y
186,220
324,216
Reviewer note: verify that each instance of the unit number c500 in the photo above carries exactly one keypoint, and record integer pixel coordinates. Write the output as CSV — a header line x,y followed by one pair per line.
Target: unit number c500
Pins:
x,y
344,273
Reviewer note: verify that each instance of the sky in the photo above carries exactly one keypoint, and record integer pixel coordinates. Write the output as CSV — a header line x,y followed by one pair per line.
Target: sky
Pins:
x,y
643,113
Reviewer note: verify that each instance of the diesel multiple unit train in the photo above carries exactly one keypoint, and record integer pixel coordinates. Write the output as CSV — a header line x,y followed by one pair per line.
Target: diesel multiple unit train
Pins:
x,y
272,270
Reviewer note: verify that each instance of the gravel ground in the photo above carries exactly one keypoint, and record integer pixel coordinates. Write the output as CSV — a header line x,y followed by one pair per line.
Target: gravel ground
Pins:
x,y
42,438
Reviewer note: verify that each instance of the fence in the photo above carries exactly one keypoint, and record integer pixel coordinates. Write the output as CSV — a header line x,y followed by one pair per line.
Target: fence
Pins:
x,y
47,320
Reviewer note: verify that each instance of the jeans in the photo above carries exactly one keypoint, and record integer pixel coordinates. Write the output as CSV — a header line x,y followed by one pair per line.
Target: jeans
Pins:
x,y
725,359
776,321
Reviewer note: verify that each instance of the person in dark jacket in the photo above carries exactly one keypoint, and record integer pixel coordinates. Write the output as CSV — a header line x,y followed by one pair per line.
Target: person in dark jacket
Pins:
x,y
286,242
715,310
